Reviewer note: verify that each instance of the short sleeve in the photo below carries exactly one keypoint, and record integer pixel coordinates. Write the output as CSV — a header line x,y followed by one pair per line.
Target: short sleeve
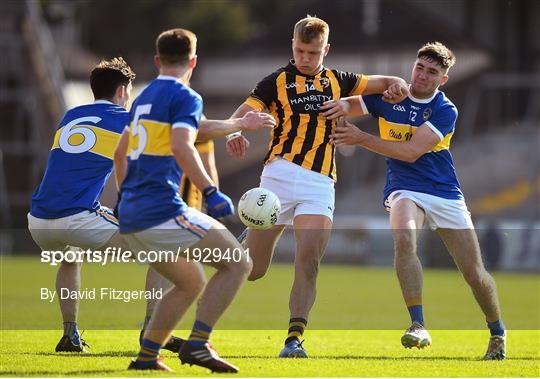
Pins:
x,y
186,111
351,84
372,104
443,120
263,94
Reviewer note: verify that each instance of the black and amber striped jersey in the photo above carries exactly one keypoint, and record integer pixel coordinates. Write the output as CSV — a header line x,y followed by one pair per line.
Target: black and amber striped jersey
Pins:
x,y
189,191
302,134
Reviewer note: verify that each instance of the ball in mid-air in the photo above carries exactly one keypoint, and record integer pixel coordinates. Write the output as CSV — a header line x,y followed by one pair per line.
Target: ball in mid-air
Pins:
x,y
259,208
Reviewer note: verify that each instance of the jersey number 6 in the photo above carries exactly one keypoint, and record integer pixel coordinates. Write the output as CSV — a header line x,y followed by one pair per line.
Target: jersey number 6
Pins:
x,y
71,129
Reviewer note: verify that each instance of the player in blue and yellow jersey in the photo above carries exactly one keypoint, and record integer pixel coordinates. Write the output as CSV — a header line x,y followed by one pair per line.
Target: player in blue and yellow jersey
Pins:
x,y
422,187
189,192
300,165
164,120
65,207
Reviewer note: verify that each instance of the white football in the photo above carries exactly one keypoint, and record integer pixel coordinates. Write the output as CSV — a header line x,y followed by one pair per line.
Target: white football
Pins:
x,y
259,208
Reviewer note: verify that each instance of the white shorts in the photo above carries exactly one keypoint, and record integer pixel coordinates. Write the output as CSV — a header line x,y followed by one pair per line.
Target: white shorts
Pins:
x,y
299,190
440,212
180,232
86,229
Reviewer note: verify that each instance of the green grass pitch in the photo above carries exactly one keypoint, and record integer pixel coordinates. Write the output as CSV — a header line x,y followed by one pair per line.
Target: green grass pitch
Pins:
x,y
354,329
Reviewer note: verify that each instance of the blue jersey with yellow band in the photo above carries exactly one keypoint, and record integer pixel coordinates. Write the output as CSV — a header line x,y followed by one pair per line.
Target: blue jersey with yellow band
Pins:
x,y
80,161
433,173
150,190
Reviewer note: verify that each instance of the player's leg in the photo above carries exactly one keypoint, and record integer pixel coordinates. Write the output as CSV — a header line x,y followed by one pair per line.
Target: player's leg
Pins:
x,y
261,245
188,281
192,230
87,230
155,281
465,250
68,278
233,266
51,235
312,233
406,221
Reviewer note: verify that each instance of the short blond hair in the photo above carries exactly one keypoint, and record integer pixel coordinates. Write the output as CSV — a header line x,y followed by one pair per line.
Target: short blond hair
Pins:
x,y
437,52
310,28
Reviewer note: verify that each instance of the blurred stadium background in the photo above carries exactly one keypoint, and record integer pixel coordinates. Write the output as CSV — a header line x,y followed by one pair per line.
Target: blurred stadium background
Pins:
x,y
48,48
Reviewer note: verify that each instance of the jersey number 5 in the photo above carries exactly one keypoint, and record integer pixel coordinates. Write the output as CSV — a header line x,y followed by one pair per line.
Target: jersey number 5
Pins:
x,y
138,129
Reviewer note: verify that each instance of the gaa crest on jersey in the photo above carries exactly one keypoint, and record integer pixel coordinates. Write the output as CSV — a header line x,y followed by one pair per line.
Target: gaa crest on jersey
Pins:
x,y
427,114
325,82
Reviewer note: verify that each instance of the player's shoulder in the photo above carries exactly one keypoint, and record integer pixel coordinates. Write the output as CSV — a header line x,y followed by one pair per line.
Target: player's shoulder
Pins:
x,y
103,114
118,115
187,92
442,103
339,72
343,75
178,90
100,109
167,92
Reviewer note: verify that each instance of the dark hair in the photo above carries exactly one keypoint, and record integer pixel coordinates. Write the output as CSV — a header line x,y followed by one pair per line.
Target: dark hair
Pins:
x,y
437,52
176,46
107,76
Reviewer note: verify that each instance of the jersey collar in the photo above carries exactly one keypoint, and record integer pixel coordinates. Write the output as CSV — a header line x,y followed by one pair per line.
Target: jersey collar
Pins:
x,y
101,101
421,101
167,77
292,67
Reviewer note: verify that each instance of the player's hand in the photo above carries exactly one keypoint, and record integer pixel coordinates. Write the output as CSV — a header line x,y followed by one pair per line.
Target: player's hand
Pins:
x,y
217,203
346,134
335,108
396,93
254,120
238,146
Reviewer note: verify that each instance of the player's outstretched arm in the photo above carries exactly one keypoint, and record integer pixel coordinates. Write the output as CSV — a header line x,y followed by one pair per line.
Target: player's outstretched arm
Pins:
x,y
209,162
237,144
347,106
392,88
252,120
187,157
120,159
409,151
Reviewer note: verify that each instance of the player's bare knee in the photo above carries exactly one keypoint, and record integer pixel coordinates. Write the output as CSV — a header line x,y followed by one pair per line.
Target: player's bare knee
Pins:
x,y
196,287
192,284
242,266
247,265
404,244
257,273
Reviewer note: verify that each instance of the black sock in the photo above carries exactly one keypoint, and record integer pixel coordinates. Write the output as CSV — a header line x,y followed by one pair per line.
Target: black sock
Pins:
x,y
296,329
